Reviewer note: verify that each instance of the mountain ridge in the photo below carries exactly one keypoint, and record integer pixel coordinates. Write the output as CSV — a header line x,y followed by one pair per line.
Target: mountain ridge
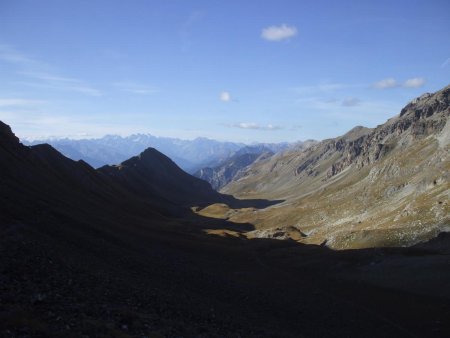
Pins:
x,y
153,173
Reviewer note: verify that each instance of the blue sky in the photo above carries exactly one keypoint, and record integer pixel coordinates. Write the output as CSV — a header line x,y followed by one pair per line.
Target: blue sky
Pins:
x,y
230,70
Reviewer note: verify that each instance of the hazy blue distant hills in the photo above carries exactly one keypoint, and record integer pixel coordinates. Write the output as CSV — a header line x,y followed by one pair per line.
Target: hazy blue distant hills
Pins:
x,y
114,149
190,155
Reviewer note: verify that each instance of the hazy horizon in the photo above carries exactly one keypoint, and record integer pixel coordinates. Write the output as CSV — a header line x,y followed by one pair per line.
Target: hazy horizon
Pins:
x,y
241,72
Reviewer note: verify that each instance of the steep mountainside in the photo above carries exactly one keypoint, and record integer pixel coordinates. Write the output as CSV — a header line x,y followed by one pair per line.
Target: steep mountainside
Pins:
x,y
229,169
384,186
235,167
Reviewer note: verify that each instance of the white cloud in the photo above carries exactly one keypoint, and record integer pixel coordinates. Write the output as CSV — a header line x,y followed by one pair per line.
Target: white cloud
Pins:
x,y
255,126
244,125
135,88
271,127
386,83
414,82
351,102
446,63
278,33
225,96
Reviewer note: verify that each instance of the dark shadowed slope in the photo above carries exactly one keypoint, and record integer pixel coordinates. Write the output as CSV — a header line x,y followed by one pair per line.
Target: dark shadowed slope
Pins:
x,y
38,181
152,174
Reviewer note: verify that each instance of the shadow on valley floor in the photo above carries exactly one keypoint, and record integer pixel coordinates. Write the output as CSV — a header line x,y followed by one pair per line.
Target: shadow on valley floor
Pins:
x,y
134,277
123,270
250,203
227,203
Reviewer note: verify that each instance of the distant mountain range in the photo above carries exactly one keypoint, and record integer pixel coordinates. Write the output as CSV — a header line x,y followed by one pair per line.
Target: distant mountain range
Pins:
x,y
190,155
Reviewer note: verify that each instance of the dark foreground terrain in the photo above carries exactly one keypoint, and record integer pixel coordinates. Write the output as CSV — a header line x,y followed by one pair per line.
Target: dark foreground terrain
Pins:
x,y
86,253
172,285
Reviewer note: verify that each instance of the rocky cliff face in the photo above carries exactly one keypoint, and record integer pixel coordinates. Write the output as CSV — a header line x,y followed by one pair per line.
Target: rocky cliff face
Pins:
x,y
424,116
230,169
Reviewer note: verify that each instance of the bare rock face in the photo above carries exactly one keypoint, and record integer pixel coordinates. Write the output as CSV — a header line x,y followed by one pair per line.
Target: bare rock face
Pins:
x,y
425,115
427,104
228,170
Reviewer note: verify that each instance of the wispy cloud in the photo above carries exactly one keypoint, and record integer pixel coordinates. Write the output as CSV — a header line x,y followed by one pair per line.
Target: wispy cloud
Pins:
x,y
319,88
386,83
11,55
187,26
446,63
414,82
49,77
135,88
33,123
85,90
296,127
278,33
255,126
57,82
225,96
351,102
32,68
193,18
330,100
14,102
